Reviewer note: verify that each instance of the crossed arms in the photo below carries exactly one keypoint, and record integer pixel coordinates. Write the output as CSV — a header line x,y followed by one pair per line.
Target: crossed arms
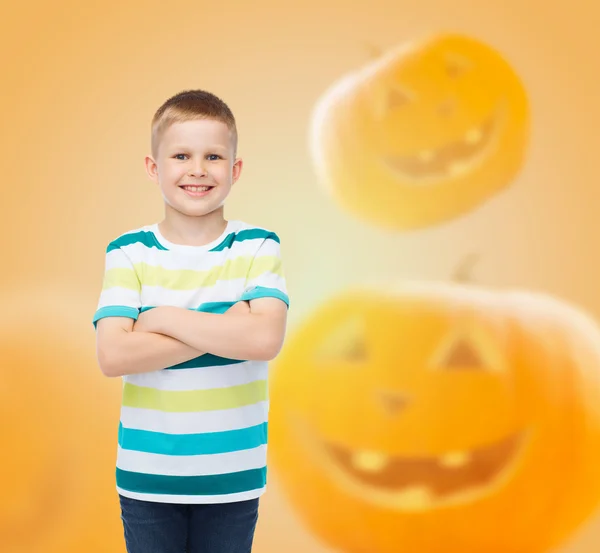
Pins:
x,y
166,336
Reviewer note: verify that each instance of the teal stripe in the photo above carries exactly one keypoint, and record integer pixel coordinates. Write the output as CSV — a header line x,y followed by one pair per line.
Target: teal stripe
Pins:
x,y
116,311
144,237
206,360
248,234
264,292
216,484
208,307
193,444
215,306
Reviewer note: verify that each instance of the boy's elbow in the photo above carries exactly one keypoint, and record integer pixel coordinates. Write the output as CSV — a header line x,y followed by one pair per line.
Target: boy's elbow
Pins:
x,y
110,371
107,365
111,343
269,348
267,338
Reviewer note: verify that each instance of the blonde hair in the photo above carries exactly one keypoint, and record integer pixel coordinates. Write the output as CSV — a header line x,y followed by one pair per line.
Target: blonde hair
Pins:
x,y
188,106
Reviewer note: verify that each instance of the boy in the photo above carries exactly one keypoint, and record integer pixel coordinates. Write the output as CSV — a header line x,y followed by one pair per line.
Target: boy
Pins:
x,y
191,310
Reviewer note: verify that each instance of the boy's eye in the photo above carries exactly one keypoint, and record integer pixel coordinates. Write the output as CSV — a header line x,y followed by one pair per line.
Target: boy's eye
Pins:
x,y
211,157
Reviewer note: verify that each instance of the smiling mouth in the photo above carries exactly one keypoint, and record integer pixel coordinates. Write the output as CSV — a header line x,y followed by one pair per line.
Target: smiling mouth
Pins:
x,y
452,160
196,191
417,483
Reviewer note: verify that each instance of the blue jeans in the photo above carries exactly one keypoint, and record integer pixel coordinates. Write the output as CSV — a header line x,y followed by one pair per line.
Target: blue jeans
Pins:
x,y
152,527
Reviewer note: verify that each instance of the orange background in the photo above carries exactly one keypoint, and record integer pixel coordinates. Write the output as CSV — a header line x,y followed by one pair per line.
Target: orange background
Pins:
x,y
80,85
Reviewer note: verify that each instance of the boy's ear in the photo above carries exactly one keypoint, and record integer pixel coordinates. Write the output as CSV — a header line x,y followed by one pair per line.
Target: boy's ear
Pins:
x,y
237,169
151,168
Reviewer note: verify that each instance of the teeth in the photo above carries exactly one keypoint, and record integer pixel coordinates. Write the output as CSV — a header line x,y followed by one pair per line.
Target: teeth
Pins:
x,y
458,168
196,188
473,136
369,461
426,155
455,459
415,497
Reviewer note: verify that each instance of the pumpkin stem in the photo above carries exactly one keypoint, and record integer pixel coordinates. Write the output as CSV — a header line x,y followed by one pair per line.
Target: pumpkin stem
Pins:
x,y
463,272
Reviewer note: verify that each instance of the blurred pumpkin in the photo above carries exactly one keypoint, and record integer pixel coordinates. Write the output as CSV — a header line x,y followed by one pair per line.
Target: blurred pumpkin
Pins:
x,y
59,432
439,417
422,135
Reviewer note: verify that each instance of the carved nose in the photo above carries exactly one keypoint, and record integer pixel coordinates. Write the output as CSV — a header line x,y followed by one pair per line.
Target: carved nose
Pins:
x,y
392,402
447,107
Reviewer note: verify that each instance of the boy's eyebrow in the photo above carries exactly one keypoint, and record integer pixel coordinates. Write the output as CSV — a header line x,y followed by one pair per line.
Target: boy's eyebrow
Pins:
x,y
210,147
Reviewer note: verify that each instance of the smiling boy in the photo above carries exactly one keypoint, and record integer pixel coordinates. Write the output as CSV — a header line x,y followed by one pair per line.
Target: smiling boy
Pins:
x,y
191,311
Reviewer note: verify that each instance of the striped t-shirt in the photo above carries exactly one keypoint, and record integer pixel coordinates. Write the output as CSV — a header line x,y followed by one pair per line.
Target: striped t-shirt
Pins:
x,y
194,432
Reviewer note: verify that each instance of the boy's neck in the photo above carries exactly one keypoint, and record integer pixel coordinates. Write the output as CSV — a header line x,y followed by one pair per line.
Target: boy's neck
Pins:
x,y
193,231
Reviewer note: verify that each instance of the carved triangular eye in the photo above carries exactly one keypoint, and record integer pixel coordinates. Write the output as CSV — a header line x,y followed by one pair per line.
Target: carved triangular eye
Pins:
x,y
462,355
457,65
346,343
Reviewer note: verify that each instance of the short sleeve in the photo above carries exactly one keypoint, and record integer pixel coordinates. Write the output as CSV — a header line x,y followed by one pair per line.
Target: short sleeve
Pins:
x,y
265,278
121,288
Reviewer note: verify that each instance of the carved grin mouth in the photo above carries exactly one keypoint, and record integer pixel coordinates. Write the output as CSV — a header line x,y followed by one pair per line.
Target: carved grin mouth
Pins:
x,y
419,483
451,160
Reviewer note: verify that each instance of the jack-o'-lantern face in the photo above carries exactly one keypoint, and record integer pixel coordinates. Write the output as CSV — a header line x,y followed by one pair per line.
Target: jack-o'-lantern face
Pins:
x,y
422,135
397,417
459,471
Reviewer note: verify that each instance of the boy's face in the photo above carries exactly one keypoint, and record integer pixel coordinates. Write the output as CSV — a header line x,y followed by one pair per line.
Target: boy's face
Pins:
x,y
192,154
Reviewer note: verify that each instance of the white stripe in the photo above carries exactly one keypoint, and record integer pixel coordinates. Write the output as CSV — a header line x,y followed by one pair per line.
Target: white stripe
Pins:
x,y
119,296
203,378
192,423
192,465
116,259
269,247
268,280
175,260
193,499
222,290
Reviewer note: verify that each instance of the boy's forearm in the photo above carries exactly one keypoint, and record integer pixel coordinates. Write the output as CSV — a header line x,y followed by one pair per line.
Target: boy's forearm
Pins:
x,y
245,336
142,352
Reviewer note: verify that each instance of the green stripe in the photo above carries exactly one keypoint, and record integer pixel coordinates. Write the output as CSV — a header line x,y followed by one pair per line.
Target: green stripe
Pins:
x,y
264,292
265,264
122,278
206,443
188,279
248,234
216,484
187,401
146,238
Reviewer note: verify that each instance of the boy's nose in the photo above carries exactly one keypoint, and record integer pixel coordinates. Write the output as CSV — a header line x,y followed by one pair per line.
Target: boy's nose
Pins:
x,y
197,170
